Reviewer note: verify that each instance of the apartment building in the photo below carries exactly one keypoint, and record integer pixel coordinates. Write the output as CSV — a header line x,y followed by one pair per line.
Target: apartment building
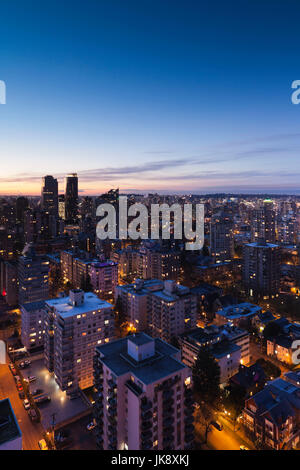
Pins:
x,y
134,300
143,396
32,324
212,335
74,326
244,312
156,262
261,269
172,311
104,278
10,432
273,415
33,273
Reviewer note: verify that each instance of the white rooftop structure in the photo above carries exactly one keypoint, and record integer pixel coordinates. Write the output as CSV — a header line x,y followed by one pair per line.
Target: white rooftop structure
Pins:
x,y
77,303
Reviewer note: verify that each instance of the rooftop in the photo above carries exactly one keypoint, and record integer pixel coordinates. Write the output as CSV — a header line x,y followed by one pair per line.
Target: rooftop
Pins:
x,y
163,363
9,428
65,309
244,309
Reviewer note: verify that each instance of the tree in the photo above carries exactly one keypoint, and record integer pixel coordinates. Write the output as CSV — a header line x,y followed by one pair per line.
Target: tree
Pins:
x,y
205,416
234,401
271,370
272,330
206,377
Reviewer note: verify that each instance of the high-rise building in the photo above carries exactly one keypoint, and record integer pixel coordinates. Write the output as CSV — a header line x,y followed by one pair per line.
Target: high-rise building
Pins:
x,y
33,272
61,206
156,262
221,237
74,326
144,397
261,268
10,432
71,199
165,309
22,205
263,222
32,327
104,277
49,199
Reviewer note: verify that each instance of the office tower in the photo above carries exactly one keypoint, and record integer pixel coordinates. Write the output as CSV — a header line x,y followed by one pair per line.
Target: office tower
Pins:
x,y
61,206
261,269
74,326
32,324
221,237
49,199
263,222
144,397
10,432
33,272
22,205
71,199
104,277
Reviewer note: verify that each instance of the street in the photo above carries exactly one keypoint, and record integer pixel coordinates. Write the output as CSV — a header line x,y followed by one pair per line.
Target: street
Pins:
x,y
227,439
32,432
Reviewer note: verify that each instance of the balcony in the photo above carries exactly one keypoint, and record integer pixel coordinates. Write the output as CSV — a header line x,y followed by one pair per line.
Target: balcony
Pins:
x,y
189,419
146,445
189,429
189,438
146,425
168,422
146,414
146,434
167,394
145,406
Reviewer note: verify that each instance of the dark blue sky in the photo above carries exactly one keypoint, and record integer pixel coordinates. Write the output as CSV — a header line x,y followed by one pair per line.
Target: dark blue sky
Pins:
x,y
150,95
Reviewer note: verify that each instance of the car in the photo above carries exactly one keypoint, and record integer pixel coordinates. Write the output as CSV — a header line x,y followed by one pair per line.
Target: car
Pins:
x,y
26,404
217,425
17,378
37,391
24,364
91,426
21,395
32,414
43,444
30,379
19,387
42,399
243,447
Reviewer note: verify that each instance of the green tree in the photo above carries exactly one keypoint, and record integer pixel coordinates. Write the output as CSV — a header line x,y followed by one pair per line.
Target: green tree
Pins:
x,y
272,330
206,377
234,401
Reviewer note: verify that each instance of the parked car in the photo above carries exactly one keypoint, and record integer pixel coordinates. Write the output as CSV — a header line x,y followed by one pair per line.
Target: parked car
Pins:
x,y
24,364
243,447
17,378
217,425
26,404
42,399
21,395
19,387
32,414
91,426
30,379
43,444
37,391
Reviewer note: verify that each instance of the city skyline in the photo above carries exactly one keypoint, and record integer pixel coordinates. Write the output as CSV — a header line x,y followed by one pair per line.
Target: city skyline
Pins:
x,y
144,98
